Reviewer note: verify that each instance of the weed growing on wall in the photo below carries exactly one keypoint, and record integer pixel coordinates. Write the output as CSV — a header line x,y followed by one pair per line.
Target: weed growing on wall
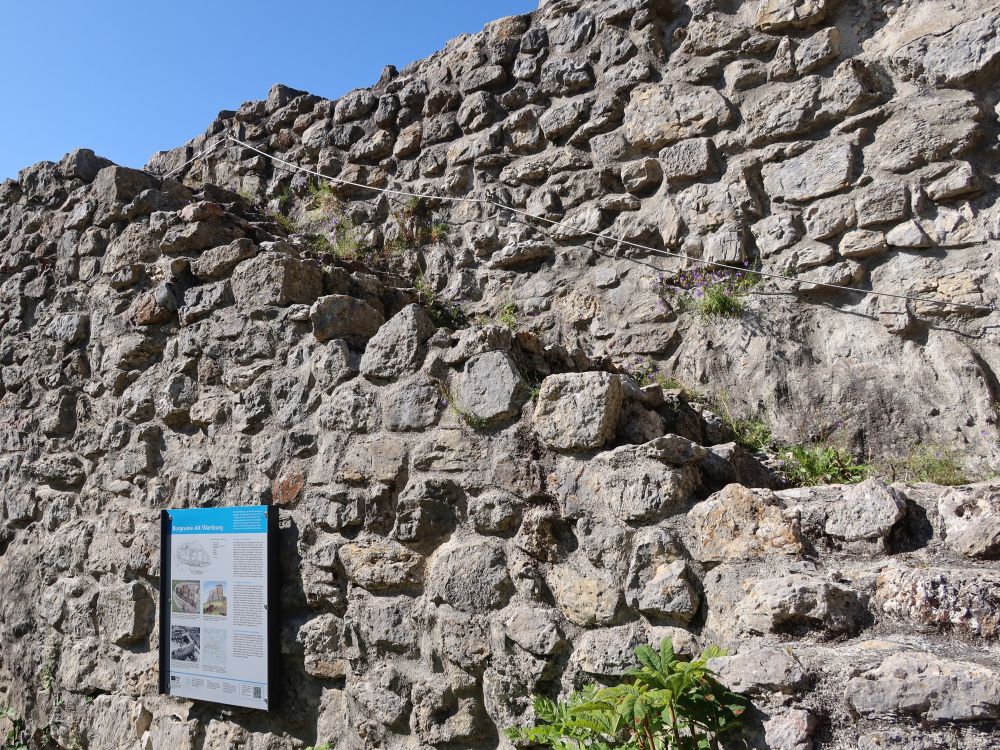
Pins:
x,y
665,704
712,293
807,465
926,463
12,732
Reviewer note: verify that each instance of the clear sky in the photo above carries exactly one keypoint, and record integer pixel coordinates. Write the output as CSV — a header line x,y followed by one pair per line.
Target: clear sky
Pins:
x,y
127,78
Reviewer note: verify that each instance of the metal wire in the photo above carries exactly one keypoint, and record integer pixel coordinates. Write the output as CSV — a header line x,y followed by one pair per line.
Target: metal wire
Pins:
x,y
601,235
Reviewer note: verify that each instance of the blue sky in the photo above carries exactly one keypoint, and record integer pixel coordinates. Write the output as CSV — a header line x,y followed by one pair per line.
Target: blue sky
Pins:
x,y
128,78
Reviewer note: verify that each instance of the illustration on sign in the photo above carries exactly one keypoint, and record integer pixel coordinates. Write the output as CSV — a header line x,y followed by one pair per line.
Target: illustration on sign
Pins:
x,y
216,627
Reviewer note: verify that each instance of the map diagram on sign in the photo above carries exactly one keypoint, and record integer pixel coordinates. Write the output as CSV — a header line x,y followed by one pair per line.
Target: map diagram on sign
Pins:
x,y
193,555
213,647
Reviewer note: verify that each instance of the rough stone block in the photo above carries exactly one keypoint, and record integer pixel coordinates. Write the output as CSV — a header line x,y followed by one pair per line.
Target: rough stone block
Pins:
x,y
971,517
688,159
125,614
490,389
738,523
276,279
660,114
578,411
926,687
338,316
399,346
867,511
825,168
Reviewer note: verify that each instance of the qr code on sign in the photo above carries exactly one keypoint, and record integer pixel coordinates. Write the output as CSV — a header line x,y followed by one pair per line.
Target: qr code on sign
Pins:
x,y
256,692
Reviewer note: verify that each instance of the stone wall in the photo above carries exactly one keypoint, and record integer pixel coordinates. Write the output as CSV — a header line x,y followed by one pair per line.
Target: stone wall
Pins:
x,y
472,514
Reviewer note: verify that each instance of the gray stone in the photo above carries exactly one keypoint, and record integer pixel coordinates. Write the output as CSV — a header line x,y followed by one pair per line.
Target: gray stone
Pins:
x,y
816,51
374,147
411,406
484,77
385,623
114,184
197,236
810,254
275,279
641,176
971,517
220,261
962,180
533,628
399,346
355,105
560,121
688,159
642,482
338,316
68,328
608,652
490,389
798,601
660,114
83,164
471,577
882,203
867,511
495,512
578,411
862,243
755,670
925,128
791,730
825,168
908,234
776,232
926,687
426,510
562,76
955,57
125,614
828,217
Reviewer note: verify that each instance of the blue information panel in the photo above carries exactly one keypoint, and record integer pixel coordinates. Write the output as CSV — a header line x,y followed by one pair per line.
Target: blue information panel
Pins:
x,y
217,627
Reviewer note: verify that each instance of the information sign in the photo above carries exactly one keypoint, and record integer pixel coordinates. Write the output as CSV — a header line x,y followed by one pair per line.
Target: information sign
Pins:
x,y
217,604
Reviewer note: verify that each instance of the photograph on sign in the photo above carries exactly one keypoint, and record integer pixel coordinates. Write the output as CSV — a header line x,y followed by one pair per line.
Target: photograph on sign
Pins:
x,y
216,634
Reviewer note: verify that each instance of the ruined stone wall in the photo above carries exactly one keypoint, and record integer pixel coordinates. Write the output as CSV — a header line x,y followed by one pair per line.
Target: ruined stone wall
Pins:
x,y
472,514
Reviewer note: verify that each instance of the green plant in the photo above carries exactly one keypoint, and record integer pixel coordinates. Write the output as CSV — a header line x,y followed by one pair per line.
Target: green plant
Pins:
x,y
807,465
508,316
249,197
49,667
12,733
665,704
713,294
446,400
645,372
417,226
443,314
925,463
324,746
752,434
329,231
439,232
287,223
